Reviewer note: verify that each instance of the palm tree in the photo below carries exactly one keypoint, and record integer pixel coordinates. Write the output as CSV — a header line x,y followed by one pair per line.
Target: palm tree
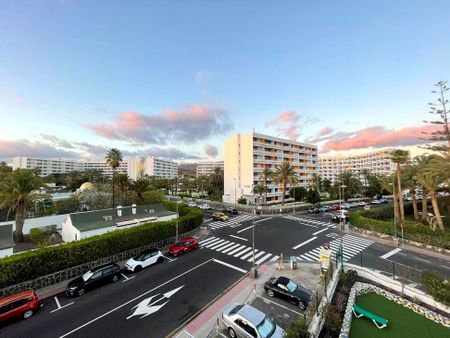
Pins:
x,y
409,173
353,185
259,189
124,183
365,173
315,182
113,159
421,162
431,181
140,186
284,175
16,190
399,157
216,180
388,183
266,175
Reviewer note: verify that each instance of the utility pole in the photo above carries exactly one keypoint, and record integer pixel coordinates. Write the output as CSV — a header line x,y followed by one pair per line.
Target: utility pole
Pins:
x,y
176,190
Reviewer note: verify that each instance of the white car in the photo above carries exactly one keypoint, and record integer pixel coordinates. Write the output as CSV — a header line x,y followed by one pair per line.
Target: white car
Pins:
x,y
192,204
246,321
205,206
144,259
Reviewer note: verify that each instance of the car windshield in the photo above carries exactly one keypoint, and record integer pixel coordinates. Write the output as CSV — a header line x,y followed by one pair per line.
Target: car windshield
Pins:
x,y
266,328
139,257
87,275
180,243
291,286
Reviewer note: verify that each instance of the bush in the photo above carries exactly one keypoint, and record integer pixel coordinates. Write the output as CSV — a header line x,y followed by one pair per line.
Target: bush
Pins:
x,y
437,287
242,200
153,197
32,264
298,329
37,236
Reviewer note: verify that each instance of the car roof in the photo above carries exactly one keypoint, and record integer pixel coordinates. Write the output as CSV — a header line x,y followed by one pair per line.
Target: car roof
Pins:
x,y
283,280
252,314
99,267
16,296
149,250
184,239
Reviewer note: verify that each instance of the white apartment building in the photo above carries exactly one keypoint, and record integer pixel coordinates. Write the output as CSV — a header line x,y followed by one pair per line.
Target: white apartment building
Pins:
x,y
134,166
247,155
207,168
376,162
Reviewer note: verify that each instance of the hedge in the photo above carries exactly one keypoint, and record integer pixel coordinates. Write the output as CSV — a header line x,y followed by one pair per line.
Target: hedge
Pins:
x,y
32,264
412,232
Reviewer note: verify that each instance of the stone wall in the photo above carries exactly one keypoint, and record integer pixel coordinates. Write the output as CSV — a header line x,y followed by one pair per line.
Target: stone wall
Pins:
x,y
70,273
363,288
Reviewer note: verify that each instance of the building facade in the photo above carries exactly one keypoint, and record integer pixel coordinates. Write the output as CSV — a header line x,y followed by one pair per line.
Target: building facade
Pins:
x,y
247,155
46,166
207,168
377,162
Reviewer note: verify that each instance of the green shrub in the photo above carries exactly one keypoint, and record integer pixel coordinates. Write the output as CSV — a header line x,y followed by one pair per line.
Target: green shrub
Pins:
x,y
242,200
32,264
437,287
298,329
37,236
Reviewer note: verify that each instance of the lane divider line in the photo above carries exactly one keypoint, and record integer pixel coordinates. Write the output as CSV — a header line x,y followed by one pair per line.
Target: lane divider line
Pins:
x,y
241,238
305,242
229,265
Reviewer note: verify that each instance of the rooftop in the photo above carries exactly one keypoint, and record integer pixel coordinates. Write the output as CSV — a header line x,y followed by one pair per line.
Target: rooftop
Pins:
x,y
6,236
98,219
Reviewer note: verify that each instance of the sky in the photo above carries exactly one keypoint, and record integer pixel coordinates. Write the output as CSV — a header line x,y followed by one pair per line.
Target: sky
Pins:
x,y
176,78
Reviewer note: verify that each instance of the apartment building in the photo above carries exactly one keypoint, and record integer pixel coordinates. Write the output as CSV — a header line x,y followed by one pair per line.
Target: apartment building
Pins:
x,y
105,167
207,168
247,155
376,162
46,166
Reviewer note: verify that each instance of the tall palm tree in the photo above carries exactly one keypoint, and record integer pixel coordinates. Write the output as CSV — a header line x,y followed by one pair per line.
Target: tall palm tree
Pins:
x,y
422,162
388,183
16,190
284,175
315,182
113,158
365,173
353,185
140,186
216,180
409,173
266,175
259,189
399,157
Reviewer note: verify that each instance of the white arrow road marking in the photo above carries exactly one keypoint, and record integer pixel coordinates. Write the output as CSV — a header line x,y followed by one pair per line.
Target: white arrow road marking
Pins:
x,y
146,307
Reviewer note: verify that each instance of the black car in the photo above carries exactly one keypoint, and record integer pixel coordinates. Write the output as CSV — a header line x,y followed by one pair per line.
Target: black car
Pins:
x,y
285,288
314,211
93,278
335,217
230,211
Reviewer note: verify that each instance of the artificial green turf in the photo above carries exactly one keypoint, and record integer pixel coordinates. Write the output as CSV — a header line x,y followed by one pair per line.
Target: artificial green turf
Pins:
x,y
402,321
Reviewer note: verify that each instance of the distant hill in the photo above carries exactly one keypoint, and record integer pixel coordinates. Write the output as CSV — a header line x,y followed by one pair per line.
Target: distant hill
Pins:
x,y
187,169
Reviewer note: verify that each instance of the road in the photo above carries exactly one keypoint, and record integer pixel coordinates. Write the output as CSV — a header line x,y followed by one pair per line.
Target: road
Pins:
x,y
155,301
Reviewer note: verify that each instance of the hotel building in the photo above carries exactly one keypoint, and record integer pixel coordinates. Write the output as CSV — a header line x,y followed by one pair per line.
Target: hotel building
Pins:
x,y
246,156
207,168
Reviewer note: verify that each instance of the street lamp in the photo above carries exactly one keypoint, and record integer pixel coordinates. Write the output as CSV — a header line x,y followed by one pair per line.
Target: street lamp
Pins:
x,y
176,190
395,218
341,245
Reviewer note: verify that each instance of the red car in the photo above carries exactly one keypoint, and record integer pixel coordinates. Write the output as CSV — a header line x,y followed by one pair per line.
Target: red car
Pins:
x,y
335,207
185,244
20,305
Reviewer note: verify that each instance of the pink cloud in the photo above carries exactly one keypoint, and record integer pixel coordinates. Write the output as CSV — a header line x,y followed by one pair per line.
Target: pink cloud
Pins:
x,y
289,124
378,136
196,122
211,150
325,131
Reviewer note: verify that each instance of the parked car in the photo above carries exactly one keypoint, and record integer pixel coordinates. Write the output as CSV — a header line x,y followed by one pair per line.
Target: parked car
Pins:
x,y
94,278
192,204
205,206
335,207
144,259
375,202
19,305
324,208
285,288
383,201
230,211
220,216
354,204
246,321
314,210
346,206
337,216
184,245
363,204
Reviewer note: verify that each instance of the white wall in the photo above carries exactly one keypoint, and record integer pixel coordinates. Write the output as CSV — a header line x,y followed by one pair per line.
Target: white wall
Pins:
x,y
231,168
6,252
69,233
39,222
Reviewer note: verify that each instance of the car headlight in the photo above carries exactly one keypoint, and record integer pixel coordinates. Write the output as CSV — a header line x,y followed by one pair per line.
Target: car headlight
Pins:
x,y
71,288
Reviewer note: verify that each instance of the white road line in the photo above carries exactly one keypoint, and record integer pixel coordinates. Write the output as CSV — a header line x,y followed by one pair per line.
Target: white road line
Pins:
x,y
59,305
241,238
170,259
262,220
209,240
236,250
212,244
305,242
230,266
241,252
231,248
310,255
226,246
318,232
207,220
57,302
251,226
247,255
259,261
274,258
275,303
390,253
219,245
307,258
256,256
135,298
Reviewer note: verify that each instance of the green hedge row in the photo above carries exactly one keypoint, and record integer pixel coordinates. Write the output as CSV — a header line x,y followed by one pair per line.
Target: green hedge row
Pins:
x,y
416,233
32,264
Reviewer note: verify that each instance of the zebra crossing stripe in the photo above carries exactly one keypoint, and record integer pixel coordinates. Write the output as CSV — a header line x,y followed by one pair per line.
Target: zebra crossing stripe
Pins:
x,y
259,261
231,248
314,257
242,252
236,250
274,258
207,239
256,256
219,245
307,258
225,246
212,244
247,255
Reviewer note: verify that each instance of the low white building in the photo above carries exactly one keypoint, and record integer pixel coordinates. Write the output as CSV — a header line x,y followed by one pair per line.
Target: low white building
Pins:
x,y
6,240
207,168
39,222
81,225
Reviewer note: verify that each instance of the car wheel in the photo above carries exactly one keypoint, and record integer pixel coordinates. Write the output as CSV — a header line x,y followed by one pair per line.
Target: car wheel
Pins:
x,y
28,314
160,260
301,305
80,292
138,268
115,278
270,293
231,333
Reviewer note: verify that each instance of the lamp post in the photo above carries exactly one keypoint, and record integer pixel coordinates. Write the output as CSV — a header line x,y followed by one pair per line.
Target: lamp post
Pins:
x,y
176,190
395,218
341,245
293,209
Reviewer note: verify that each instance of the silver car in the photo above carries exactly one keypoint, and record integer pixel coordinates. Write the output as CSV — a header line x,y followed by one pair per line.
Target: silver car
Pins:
x,y
246,321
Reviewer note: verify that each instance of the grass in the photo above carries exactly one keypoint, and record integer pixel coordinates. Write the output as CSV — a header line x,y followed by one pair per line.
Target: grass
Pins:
x,y
402,321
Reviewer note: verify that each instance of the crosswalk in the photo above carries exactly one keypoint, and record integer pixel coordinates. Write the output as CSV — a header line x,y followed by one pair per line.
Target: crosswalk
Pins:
x,y
315,223
232,222
352,246
237,250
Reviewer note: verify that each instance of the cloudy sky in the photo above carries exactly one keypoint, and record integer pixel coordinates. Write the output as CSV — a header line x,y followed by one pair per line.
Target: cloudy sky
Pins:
x,y
176,78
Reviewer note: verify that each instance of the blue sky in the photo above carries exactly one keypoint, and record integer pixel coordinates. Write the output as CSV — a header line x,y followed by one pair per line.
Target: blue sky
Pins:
x,y
194,72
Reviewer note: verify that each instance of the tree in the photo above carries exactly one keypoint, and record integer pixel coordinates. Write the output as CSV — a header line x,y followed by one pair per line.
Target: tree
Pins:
x,y
298,193
365,173
284,175
373,187
313,196
326,185
16,190
259,189
399,157
113,158
266,176
388,184
352,184
315,182
216,182
140,186
440,109
421,163
4,168
124,183
409,172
